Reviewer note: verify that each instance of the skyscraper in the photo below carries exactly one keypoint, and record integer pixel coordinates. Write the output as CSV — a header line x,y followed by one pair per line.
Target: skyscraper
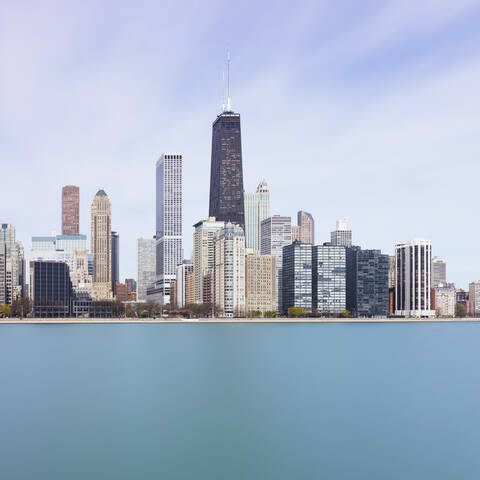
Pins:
x,y
297,276
260,283
439,272
181,282
367,282
226,174
276,234
203,252
257,209
146,266
413,279
70,210
229,271
169,224
341,236
12,265
115,261
101,219
304,232
328,279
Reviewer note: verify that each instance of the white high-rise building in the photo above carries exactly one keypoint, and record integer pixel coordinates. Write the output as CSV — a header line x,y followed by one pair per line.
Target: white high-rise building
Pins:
x,y
341,235
413,282
276,234
169,224
146,266
445,300
203,253
257,209
12,266
474,297
229,271
439,271
181,284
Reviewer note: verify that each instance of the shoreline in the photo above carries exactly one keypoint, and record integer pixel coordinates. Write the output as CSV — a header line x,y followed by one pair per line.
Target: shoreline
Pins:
x,y
47,321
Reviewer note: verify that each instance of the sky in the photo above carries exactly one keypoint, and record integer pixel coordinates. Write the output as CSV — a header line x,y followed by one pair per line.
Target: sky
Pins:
x,y
367,111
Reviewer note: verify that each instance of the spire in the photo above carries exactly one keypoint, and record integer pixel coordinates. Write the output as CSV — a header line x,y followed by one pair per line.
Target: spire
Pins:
x,y
223,91
229,106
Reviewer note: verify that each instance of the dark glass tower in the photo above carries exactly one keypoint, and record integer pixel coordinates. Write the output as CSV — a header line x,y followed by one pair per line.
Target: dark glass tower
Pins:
x,y
226,175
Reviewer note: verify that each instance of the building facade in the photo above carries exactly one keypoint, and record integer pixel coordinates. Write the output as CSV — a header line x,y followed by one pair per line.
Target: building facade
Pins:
x,y
115,261
101,223
226,174
229,271
304,231
169,224
203,252
70,210
51,289
260,283
367,291
276,233
328,279
439,272
413,281
474,297
297,277
146,266
181,282
341,235
12,266
445,300
257,209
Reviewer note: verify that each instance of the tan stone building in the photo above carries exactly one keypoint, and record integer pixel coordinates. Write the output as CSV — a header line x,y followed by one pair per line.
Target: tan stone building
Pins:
x,y
102,246
70,210
260,282
305,230
189,296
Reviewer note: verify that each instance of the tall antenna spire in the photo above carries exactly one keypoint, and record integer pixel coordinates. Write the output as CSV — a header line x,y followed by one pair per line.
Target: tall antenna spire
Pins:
x,y
223,91
229,106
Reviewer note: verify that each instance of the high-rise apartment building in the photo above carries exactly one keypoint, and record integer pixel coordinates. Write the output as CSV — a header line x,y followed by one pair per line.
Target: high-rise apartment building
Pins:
x,y
439,272
413,279
70,210
328,279
297,276
203,252
169,224
367,293
260,282
226,174
341,236
146,266
131,285
474,297
189,292
181,282
304,232
12,266
257,209
445,300
229,271
115,261
51,289
101,221
276,233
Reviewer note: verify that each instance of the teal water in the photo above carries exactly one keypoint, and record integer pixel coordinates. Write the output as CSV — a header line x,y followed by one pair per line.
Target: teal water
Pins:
x,y
238,401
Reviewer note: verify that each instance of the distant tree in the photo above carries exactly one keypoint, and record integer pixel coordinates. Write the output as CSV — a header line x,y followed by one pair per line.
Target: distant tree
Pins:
x,y
21,307
254,313
345,313
460,310
270,314
5,310
296,312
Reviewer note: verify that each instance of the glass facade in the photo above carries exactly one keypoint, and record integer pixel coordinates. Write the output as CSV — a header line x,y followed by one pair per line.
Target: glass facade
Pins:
x,y
226,175
297,277
328,279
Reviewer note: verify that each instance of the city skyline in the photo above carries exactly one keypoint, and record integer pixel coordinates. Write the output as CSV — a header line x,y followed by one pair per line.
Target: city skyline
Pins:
x,y
377,133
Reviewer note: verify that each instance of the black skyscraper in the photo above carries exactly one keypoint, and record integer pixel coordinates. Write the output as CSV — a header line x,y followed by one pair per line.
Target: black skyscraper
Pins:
x,y
226,176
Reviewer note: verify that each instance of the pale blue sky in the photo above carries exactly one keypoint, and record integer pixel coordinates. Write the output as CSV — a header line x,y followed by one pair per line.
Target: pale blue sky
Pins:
x,y
367,111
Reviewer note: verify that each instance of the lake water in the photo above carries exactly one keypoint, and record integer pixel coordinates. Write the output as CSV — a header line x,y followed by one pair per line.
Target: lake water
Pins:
x,y
240,401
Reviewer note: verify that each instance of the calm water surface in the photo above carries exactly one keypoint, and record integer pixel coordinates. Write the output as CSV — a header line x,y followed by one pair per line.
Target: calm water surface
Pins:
x,y
238,401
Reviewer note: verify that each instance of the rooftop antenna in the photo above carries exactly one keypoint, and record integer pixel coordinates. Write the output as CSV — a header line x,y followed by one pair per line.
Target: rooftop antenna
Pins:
x,y
223,91
229,109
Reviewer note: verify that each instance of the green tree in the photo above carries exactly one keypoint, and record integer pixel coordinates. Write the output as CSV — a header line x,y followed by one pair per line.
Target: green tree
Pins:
x,y
5,310
270,314
254,313
21,307
345,313
296,312
460,310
